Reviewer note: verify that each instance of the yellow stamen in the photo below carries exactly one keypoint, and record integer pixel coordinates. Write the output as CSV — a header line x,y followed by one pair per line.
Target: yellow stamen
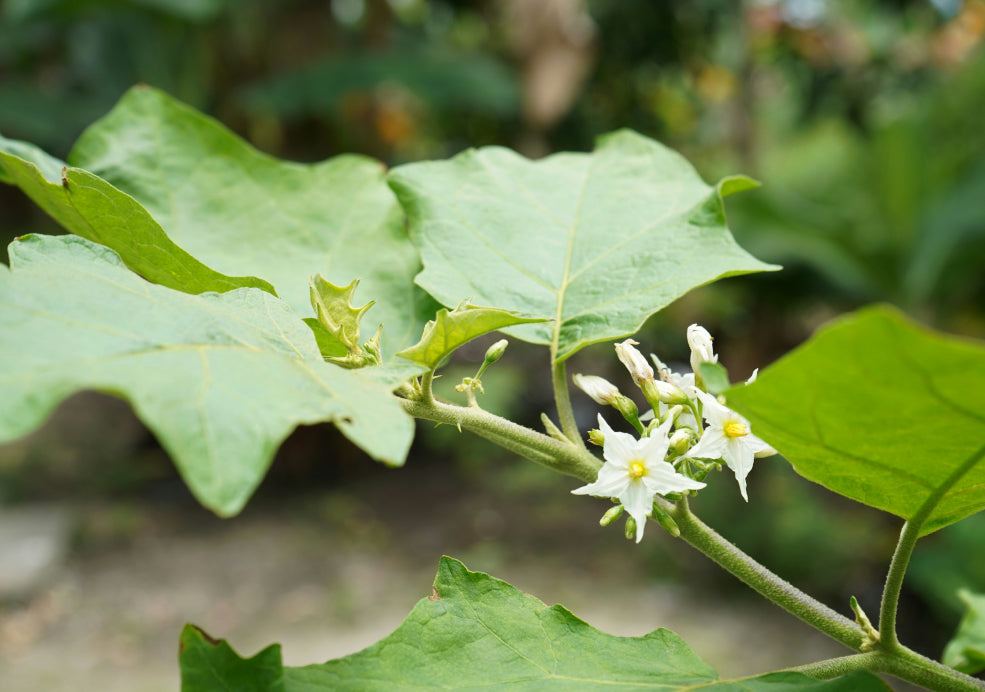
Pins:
x,y
735,429
637,469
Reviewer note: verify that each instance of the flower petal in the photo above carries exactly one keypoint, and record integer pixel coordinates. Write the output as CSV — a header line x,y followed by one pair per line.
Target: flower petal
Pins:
x,y
638,501
619,447
740,459
661,479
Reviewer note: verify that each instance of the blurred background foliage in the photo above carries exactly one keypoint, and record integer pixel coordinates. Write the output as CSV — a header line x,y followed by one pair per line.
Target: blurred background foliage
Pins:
x,y
863,119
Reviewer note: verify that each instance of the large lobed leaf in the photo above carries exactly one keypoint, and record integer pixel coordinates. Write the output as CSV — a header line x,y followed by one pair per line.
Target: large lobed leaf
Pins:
x,y
880,410
242,211
596,242
477,632
182,199
92,208
221,379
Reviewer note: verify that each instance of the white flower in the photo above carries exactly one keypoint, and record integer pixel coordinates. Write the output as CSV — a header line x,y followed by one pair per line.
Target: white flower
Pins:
x,y
727,437
702,350
600,389
635,471
634,361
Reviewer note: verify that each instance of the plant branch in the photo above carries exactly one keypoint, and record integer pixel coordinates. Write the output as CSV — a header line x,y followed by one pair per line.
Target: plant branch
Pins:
x,y
565,457
763,581
904,549
562,399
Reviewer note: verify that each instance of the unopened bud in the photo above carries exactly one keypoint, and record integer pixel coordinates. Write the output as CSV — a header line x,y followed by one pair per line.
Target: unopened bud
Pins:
x,y
627,407
680,441
630,528
496,351
702,349
666,521
610,516
600,389
596,437
634,361
658,390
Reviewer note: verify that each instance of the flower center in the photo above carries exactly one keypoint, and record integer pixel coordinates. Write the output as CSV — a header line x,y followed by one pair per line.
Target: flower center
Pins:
x,y
735,429
637,469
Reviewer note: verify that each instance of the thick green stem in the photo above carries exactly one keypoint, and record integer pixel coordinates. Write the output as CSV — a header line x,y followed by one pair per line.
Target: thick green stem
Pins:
x,y
568,458
562,399
763,581
904,549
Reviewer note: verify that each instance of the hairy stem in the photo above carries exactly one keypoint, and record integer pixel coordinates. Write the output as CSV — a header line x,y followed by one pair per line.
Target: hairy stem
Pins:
x,y
562,399
904,549
763,581
566,457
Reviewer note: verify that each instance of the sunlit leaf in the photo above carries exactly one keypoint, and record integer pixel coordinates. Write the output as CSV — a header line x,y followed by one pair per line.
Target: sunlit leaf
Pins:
x,y
221,379
882,411
449,330
241,211
92,208
596,242
477,632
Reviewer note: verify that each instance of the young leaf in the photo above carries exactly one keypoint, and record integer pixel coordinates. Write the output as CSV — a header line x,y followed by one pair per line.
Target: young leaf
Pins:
x,y
596,242
240,210
92,208
208,665
477,632
966,651
882,411
449,330
221,379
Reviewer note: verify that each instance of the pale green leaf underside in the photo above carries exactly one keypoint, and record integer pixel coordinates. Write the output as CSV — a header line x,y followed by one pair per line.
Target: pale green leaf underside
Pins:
x,y
477,632
966,651
221,379
239,210
882,411
92,208
597,242
451,329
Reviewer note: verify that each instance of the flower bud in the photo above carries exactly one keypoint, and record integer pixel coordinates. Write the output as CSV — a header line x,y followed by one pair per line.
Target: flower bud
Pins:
x,y
702,350
666,521
600,389
496,351
630,528
634,361
610,516
680,441
596,437
627,407
658,390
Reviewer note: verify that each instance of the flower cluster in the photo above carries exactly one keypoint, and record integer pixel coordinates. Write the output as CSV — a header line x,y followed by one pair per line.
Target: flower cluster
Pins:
x,y
688,434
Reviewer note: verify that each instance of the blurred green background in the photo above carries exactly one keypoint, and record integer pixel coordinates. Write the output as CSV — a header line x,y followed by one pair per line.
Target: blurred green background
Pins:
x,y
862,118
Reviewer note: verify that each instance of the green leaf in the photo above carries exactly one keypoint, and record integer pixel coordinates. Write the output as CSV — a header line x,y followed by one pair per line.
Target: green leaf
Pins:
x,y
475,632
715,377
240,210
881,410
450,330
966,650
221,379
596,242
208,664
92,208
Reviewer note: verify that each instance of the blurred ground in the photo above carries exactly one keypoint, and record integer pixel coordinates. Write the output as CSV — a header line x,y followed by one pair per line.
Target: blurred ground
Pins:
x,y
329,574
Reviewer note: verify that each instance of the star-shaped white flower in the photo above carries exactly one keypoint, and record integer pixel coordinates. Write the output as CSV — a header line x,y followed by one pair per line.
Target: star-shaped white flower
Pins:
x,y
635,471
727,437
